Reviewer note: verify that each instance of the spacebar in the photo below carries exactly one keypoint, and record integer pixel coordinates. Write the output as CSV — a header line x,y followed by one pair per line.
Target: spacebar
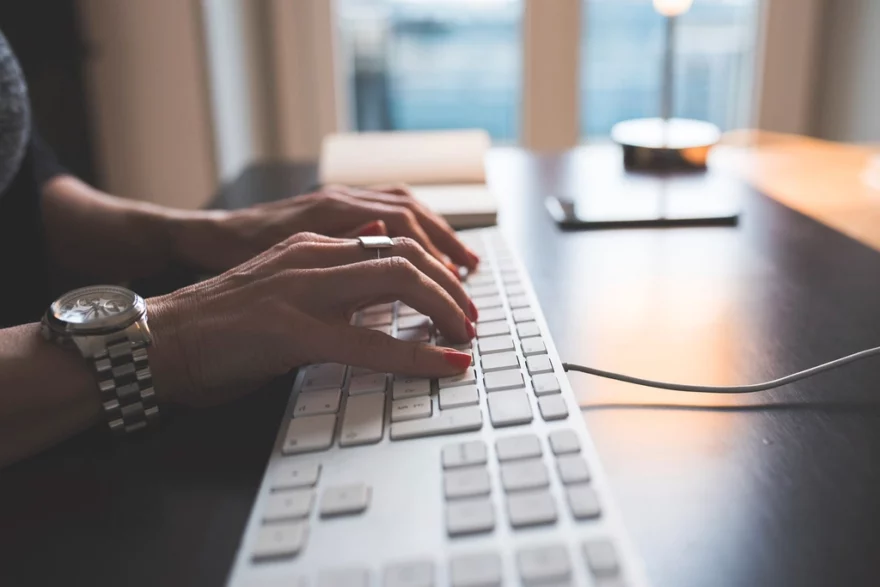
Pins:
x,y
449,422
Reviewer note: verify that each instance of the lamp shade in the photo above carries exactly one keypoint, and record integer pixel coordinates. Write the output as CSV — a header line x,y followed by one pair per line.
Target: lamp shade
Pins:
x,y
672,7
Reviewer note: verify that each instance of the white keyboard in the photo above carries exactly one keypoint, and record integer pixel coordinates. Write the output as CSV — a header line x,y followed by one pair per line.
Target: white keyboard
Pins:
x,y
484,479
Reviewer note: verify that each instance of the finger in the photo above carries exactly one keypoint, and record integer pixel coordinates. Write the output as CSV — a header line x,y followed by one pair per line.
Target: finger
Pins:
x,y
374,228
399,220
395,278
349,252
374,350
437,229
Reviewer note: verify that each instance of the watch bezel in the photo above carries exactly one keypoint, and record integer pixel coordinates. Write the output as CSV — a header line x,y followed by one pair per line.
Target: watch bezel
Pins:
x,y
105,325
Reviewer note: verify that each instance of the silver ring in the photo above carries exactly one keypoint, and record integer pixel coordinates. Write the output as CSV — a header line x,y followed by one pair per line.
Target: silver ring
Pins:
x,y
376,242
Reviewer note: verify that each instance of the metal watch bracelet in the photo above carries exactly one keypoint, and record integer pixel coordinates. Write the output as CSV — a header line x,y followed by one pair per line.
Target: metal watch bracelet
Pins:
x,y
126,385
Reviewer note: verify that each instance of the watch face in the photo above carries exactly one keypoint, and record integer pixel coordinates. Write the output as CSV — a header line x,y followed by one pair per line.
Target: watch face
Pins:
x,y
96,307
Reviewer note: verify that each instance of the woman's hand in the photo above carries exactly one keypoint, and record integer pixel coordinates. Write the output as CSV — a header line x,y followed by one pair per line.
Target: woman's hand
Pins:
x,y
291,306
220,240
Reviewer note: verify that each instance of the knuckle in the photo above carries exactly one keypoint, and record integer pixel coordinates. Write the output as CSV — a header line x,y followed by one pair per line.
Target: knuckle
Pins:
x,y
407,244
401,267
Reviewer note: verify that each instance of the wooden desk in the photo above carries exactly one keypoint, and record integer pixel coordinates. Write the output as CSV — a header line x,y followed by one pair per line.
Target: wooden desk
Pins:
x,y
778,489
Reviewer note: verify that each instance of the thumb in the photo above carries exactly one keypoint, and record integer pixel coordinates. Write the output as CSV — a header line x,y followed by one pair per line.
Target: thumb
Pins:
x,y
374,228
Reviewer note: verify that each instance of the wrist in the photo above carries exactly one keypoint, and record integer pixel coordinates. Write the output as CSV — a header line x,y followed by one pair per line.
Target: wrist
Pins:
x,y
167,361
201,240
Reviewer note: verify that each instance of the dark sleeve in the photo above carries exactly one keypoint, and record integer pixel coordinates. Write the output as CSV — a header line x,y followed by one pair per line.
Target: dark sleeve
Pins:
x,y
44,163
24,263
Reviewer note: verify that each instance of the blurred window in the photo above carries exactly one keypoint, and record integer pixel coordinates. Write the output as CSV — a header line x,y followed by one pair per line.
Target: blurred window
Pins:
x,y
433,64
621,62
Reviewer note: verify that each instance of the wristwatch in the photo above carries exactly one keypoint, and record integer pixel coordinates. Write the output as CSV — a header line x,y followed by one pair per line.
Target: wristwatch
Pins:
x,y
108,324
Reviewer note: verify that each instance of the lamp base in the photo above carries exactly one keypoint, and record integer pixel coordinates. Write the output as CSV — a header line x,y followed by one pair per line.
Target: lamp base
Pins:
x,y
656,144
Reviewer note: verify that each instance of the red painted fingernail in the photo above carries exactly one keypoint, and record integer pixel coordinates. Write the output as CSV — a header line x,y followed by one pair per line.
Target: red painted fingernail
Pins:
x,y
475,315
458,360
375,228
469,326
453,269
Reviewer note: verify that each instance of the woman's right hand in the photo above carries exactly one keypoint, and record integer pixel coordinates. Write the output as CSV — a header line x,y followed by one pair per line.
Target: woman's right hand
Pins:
x,y
292,306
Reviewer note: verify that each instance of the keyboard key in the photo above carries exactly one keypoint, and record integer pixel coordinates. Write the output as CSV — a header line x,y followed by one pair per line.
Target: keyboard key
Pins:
x,y
377,319
309,433
466,482
509,408
501,380
287,505
523,446
516,289
325,401
466,378
449,422
404,310
486,302
409,574
572,469
364,420
495,344
464,454
480,278
499,361
378,308
518,301
527,329
368,383
323,376
456,397
293,474
483,290
492,315
492,328
583,502
564,442
523,315
539,364
601,557
533,346
476,570
416,321
410,387
470,516
552,407
545,564
463,346
531,508
530,474
344,500
280,540
414,334
354,577
545,383
410,408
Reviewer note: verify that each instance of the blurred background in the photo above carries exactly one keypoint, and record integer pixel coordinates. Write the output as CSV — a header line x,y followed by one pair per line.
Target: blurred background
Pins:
x,y
164,100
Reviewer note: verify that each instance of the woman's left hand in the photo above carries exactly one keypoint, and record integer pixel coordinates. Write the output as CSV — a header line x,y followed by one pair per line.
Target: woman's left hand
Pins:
x,y
220,240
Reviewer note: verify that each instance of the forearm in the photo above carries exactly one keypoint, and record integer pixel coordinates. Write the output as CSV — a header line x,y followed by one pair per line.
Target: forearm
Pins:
x,y
47,393
98,236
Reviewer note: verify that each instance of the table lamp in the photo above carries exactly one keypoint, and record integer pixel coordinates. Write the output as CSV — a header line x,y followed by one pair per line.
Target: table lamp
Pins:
x,y
666,142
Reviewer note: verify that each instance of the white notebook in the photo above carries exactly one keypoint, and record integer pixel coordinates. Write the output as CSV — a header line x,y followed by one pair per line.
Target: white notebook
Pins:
x,y
445,169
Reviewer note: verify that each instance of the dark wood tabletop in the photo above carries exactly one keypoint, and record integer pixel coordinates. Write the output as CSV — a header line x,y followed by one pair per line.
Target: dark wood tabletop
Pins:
x,y
776,489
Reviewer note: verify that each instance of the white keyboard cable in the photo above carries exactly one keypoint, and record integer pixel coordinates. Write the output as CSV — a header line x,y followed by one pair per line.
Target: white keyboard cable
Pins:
x,y
733,388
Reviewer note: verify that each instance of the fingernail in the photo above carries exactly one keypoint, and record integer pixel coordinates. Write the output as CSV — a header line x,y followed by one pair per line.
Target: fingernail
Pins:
x,y
460,361
454,270
475,260
469,326
375,228
475,315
